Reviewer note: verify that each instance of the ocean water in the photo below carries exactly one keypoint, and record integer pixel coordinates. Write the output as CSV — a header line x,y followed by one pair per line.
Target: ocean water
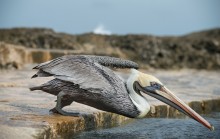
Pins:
x,y
158,128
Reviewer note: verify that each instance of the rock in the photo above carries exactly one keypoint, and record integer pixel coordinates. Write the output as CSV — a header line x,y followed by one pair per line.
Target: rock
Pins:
x,y
13,56
25,114
199,50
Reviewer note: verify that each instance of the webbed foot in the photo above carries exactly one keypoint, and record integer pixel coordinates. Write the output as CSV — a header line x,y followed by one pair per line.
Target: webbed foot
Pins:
x,y
58,108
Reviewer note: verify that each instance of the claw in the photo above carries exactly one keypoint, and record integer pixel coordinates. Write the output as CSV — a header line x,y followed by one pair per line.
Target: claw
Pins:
x,y
53,110
62,112
58,108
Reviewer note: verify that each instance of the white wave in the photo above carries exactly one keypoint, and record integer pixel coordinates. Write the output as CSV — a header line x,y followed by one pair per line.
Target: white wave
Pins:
x,y
100,29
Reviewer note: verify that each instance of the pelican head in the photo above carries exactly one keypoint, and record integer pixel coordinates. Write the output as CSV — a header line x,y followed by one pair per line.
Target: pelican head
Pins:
x,y
139,82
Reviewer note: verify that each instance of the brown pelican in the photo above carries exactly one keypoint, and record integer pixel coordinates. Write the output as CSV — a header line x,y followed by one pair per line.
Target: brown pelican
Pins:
x,y
87,80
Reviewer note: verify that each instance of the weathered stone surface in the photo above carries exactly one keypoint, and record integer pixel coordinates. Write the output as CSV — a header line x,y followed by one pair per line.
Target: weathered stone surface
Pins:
x,y
200,50
41,55
16,56
197,105
13,56
25,114
28,112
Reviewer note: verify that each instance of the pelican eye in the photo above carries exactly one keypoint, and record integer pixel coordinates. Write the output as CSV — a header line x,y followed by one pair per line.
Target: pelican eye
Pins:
x,y
155,85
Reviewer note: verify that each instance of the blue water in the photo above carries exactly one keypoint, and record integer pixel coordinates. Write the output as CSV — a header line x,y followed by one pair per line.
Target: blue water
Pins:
x,y
158,128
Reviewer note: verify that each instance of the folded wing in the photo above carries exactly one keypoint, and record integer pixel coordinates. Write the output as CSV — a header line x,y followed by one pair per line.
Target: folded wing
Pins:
x,y
85,70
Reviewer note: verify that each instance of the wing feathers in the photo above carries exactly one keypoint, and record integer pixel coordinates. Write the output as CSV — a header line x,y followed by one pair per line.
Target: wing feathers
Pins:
x,y
77,70
102,60
113,62
85,70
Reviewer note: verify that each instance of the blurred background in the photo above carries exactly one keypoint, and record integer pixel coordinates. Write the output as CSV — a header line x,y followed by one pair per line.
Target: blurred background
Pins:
x,y
157,17
177,41
157,34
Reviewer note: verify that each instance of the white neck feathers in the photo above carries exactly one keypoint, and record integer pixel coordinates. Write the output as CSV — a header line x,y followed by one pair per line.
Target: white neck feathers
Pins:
x,y
139,101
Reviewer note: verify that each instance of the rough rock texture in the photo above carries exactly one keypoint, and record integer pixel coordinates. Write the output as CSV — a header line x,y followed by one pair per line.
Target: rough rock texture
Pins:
x,y
12,56
199,50
25,114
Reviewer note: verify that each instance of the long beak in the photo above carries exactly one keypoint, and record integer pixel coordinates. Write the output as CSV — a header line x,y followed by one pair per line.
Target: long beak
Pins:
x,y
169,98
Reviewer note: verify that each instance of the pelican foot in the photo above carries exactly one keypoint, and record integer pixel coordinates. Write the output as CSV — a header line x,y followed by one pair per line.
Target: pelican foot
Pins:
x,y
58,108
53,110
62,112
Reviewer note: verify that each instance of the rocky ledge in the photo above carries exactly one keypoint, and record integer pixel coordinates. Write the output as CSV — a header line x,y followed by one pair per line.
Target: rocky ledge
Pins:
x,y
200,50
25,114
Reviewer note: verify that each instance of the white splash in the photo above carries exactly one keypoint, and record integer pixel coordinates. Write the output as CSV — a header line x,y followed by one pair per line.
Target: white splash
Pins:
x,y
100,29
